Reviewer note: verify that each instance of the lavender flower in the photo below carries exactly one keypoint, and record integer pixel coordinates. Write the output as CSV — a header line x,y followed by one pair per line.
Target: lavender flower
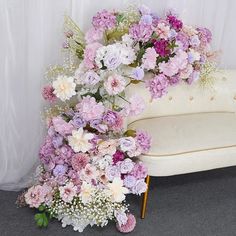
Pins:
x,y
129,181
60,170
126,166
140,187
77,121
141,32
139,171
143,140
158,86
104,20
57,140
137,73
112,172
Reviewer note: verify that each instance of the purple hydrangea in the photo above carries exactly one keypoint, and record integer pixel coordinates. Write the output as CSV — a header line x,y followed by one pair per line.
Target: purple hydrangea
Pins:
x,y
146,19
141,32
162,47
97,124
47,149
139,171
174,80
158,86
104,20
143,140
137,73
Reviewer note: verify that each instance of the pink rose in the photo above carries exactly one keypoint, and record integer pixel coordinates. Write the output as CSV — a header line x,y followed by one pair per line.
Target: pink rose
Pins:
x,y
35,196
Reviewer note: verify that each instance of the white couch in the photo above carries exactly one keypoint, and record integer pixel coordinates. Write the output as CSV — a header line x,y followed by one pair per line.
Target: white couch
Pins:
x,y
192,128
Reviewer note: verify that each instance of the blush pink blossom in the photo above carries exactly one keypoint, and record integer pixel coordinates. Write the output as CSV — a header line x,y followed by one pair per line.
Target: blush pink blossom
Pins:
x,y
34,197
93,35
115,84
129,226
89,54
61,126
79,161
48,94
135,107
149,59
68,192
89,109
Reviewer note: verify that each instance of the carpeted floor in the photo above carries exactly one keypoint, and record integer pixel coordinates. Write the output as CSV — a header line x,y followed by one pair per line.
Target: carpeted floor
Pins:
x,y
199,204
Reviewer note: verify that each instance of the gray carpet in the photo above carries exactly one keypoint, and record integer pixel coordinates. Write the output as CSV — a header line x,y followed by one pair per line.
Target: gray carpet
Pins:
x,y
199,204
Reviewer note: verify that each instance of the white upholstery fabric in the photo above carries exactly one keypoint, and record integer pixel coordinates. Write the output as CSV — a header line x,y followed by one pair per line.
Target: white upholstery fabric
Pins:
x,y
193,131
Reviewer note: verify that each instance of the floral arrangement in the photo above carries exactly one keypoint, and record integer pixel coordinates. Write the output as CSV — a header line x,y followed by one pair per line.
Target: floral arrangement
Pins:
x,y
88,160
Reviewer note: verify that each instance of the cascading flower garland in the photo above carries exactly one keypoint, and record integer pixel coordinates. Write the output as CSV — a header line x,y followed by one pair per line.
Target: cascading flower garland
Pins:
x,y
88,161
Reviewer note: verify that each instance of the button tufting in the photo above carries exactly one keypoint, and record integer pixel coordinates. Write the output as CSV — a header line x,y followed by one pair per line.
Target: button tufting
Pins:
x,y
170,98
235,97
212,98
191,98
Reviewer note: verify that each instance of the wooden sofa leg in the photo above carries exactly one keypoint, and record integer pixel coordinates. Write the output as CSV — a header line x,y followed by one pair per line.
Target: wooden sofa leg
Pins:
x,y
144,201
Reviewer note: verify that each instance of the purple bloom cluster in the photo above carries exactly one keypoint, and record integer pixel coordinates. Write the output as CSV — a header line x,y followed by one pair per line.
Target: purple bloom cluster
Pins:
x,y
141,32
104,20
158,86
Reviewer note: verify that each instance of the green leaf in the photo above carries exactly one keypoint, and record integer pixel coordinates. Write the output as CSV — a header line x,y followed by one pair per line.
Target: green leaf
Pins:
x,y
130,132
120,18
41,219
41,208
134,81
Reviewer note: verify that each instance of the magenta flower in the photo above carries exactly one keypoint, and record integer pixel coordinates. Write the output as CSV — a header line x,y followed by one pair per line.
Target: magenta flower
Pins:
x,y
174,22
118,156
48,94
104,20
158,86
162,47
141,32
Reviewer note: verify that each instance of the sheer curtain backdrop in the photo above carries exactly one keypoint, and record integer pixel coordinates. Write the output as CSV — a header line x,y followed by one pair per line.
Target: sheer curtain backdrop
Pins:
x,y
30,40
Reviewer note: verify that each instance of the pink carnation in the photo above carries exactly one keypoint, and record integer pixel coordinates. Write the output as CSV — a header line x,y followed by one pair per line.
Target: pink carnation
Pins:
x,y
129,226
61,126
79,161
89,54
149,58
89,109
48,94
35,196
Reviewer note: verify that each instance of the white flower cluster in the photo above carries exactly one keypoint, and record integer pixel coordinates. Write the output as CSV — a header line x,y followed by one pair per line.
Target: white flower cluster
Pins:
x,y
96,212
113,55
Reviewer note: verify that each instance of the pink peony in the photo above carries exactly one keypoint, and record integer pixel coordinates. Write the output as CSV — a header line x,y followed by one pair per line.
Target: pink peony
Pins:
x,y
115,84
68,192
89,54
34,197
61,126
129,226
48,94
149,59
79,161
89,109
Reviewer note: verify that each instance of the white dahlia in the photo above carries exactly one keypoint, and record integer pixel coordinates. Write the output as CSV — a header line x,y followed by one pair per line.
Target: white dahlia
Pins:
x,y
79,140
64,87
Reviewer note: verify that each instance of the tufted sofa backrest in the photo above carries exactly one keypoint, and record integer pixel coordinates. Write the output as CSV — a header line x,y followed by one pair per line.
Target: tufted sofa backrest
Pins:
x,y
185,99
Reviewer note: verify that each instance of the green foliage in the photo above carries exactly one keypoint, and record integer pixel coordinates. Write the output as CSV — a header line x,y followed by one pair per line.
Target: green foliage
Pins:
x,y
130,133
41,219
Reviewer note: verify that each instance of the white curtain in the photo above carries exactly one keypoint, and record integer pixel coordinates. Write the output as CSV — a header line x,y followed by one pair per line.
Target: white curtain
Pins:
x,y
30,40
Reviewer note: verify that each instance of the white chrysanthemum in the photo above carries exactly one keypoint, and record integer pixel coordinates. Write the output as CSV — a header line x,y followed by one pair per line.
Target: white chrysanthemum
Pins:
x,y
116,190
79,141
64,87
86,192
127,40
